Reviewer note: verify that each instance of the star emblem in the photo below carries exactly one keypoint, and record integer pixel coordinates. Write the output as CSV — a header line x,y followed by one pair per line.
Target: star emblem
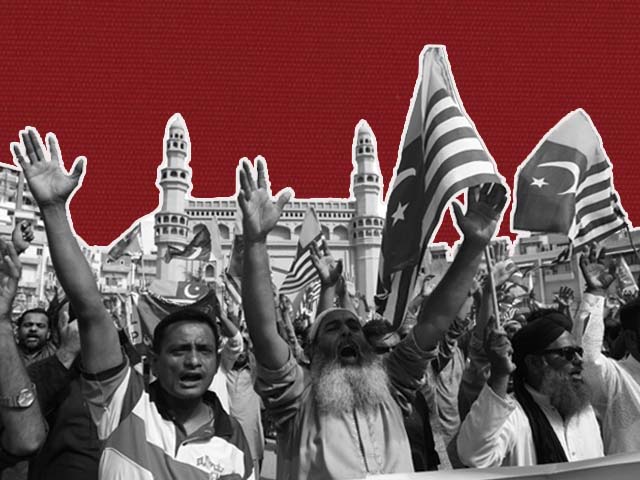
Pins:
x,y
538,182
399,213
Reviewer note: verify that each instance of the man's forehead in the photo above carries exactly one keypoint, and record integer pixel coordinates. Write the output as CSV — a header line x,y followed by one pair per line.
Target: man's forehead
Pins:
x,y
339,316
188,330
36,317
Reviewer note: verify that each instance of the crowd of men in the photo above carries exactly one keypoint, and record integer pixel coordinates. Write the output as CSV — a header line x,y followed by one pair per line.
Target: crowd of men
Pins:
x,y
466,381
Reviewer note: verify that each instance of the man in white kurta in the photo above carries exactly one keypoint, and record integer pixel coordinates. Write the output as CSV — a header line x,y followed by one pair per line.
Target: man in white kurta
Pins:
x,y
615,384
498,429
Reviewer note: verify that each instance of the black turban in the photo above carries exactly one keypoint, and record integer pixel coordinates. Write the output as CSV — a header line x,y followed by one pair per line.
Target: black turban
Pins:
x,y
541,330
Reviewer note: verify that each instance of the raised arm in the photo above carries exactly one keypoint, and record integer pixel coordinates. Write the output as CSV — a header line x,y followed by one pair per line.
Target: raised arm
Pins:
x,y
478,225
260,215
329,272
24,427
22,236
52,187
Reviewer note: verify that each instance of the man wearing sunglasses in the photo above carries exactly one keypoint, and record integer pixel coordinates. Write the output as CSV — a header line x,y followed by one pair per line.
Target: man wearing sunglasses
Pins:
x,y
549,419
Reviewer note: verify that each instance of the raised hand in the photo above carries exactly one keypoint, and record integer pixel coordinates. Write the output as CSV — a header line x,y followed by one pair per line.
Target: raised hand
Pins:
x,y
329,270
10,271
598,273
499,351
22,236
69,333
484,206
285,304
565,297
259,213
49,182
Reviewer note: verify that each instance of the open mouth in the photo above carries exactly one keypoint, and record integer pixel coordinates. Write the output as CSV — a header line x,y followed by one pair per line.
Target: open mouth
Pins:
x,y
349,352
190,378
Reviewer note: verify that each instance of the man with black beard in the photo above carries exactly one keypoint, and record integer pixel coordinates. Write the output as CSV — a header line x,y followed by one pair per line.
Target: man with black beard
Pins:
x,y
344,417
550,420
33,336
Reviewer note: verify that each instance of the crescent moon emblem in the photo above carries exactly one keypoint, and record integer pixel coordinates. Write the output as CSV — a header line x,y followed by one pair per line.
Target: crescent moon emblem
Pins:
x,y
572,168
189,294
402,176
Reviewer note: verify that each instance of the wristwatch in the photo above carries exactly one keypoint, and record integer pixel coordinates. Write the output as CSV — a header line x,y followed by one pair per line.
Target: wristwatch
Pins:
x,y
24,398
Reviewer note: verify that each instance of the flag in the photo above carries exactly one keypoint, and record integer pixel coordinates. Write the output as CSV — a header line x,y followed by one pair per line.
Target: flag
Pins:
x,y
302,271
148,309
441,155
233,273
129,244
199,247
566,185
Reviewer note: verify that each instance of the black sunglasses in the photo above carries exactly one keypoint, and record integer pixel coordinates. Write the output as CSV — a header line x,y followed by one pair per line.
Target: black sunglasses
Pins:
x,y
382,350
569,353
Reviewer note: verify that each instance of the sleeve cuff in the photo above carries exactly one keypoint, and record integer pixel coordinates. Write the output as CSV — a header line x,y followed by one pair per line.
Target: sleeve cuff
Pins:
x,y
105,374
267,374
592,301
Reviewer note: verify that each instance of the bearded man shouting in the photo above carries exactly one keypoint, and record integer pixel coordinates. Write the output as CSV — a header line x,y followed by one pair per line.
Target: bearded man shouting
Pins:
x,y
343,418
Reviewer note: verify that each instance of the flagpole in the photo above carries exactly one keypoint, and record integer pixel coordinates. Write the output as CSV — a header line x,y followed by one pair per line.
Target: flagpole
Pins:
x,y
144,281
492,286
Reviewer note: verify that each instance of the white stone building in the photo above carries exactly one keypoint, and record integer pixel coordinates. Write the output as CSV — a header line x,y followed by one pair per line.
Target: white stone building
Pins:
x,y
352,226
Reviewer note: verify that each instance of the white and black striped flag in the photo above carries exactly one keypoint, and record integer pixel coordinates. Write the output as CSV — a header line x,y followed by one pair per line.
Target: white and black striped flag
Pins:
x,y
566,185
302,271
441,155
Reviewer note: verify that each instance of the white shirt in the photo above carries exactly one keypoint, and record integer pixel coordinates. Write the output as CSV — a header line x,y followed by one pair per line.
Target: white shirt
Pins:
x,y
615,385
228,355
496,432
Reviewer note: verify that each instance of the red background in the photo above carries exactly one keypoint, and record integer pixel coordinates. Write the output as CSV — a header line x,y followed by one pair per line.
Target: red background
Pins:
x,y
291,80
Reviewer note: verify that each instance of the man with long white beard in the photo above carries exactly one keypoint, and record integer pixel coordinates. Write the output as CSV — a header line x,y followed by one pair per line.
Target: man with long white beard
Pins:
x,y
550,420
344,417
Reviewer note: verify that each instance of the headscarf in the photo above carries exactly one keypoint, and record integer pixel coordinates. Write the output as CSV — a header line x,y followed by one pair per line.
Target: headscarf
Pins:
x,y
326,315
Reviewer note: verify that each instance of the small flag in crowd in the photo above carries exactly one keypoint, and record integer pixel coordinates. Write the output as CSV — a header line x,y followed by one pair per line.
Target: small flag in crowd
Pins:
x,y
442,154
566,185
302,271
233,273
129,244
199,248
147,309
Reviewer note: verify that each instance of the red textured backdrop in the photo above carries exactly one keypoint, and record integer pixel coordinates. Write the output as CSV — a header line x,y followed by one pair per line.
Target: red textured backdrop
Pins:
x,y
291,80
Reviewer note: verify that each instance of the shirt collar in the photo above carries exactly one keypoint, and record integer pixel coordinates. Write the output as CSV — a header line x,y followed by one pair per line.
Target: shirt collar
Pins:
x,y
222,426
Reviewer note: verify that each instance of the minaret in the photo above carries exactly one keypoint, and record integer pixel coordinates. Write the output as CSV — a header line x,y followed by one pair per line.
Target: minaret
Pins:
x,y
366,226
174,182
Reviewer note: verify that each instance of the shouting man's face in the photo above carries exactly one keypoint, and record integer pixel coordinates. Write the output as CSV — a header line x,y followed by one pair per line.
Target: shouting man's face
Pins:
x,y
345,371
33,332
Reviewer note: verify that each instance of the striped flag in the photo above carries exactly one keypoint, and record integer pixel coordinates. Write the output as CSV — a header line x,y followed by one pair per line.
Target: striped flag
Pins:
x,y
441,155
130,244
566,185
302,271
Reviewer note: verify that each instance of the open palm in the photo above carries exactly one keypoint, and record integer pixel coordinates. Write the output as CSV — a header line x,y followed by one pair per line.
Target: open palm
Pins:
x,y
598,272
47,178
259,213
484,206
10,269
